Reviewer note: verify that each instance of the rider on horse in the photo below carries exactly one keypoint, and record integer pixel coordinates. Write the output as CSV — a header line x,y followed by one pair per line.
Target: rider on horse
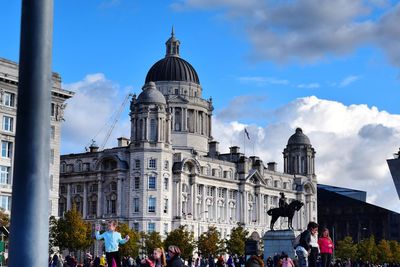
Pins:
x,y
282,201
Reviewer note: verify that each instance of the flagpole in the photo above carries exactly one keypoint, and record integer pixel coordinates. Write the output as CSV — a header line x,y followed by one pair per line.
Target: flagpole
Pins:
x,y
244,142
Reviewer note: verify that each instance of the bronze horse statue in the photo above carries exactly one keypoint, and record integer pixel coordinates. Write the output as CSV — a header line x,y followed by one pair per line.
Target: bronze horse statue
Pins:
x,y
287,211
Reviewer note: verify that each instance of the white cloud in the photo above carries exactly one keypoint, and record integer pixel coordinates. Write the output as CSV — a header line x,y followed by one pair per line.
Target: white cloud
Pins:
x,y
348,80
88,113
352,142
310,30
309,85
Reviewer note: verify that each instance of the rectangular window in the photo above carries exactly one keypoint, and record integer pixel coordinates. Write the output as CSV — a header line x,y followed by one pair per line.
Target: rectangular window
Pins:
x,y
166,205
151,227
52,156
6,149
177,91
94,188
152,204
63,189
86,167
137,164
4,175
200,189
51,182
136,227
137,183
166,165
53,132
152,182
5,202
9,99
8,123
53,109
152,163
136,204
165,228
166,182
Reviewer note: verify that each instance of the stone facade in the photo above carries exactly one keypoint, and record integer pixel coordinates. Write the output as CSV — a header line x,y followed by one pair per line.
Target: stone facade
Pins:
x,y
171,173
8,116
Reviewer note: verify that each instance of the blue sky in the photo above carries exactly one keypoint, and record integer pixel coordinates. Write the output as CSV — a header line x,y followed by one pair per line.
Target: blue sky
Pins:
x,y
331,67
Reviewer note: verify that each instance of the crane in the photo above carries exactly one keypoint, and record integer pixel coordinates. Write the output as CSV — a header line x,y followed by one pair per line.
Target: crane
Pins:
x,y
114,119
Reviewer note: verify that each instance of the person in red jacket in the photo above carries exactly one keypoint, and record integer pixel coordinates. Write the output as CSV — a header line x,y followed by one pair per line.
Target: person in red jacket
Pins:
x,y
326,247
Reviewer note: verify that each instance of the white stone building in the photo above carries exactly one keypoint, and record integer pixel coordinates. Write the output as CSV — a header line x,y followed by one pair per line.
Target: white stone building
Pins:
x,y
170,172
8,116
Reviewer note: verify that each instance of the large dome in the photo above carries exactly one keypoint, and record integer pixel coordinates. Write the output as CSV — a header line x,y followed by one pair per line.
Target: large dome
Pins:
x,y
172,68
299,138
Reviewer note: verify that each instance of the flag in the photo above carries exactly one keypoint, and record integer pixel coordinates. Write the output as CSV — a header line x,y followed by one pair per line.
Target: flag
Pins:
x,y
247,133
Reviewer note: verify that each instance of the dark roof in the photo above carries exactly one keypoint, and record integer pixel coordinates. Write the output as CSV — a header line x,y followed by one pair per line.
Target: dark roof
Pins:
x,y
172,68
299,138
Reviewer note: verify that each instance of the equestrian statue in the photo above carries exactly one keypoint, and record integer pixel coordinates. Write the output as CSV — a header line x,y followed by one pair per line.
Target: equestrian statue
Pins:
x,y
284,210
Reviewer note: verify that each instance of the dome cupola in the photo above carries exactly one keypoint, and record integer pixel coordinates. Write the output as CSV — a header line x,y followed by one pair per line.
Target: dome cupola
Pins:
x,y
151,95
298,138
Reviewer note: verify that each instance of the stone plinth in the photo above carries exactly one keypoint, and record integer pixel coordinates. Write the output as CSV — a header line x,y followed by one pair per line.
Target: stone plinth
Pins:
x,y
278,241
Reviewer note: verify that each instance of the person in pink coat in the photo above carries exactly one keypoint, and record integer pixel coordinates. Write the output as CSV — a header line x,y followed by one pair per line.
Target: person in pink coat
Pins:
x,y
326,247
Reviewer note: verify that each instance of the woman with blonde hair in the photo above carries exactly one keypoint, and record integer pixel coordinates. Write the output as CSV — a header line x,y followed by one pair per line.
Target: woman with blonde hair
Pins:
x,y
326,246
157,259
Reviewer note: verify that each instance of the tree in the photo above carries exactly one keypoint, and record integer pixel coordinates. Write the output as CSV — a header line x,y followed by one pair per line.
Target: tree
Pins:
x,y
367,250
181,238
210,243
346,249
73,232
152,241
53,232
131,248
395,249
4,218
236,243
384,252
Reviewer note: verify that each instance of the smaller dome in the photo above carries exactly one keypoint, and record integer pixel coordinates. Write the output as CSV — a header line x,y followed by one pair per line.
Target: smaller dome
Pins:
x,y
151,95
299,138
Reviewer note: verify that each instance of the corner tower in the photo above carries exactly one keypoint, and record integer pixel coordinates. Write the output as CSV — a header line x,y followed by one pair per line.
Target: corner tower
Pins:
x,y
299,155
191,115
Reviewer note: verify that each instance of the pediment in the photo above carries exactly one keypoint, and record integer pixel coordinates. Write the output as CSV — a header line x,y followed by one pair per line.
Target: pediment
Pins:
x,y
255,177
177,99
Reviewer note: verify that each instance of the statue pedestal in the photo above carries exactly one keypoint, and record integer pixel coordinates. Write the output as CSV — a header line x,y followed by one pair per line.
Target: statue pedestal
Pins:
x,y
279,241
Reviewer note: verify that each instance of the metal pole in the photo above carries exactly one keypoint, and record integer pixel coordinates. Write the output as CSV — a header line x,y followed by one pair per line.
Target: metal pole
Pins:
x,y
29,233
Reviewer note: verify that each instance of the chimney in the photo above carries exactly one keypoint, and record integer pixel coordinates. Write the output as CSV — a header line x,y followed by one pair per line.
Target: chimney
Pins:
x,y
234,150
123,141
272,166
213,149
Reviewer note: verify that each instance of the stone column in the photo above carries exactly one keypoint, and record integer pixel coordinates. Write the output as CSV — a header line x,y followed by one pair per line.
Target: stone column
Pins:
x,y
68,196
119,195
194,198
179,198
85,197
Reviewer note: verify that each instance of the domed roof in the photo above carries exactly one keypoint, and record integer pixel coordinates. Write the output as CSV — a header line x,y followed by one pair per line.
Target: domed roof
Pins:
x,y
151,95
299,138
172,67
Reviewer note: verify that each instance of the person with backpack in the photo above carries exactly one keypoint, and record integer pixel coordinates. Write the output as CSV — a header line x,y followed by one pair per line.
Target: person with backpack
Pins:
x,y
303,249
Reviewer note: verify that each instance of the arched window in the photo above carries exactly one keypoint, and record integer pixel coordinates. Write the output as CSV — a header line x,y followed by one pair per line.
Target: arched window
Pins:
x,y
178,119
63,167
111,204
79,166
51,182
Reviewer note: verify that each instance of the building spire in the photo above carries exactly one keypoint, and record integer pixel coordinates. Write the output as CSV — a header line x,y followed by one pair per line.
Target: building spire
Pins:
x,y
172,45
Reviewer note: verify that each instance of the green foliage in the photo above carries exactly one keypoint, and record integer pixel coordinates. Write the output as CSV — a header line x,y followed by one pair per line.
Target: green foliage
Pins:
x,y
346,249
384,252
131,248
4,218
152,241
367,250
181,238
236,243
210,242
395,249
53,232
73,232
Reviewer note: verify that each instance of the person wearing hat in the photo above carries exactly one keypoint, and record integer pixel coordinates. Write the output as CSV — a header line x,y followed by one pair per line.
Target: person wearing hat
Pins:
x,y
282,201
112,240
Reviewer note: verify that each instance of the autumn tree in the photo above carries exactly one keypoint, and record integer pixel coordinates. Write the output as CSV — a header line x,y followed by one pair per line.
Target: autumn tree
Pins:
x,y
367,250
181,238
384,252
210,242
131,248
346,249
395,249
74,233
53,232
236,243
152,241
4,218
